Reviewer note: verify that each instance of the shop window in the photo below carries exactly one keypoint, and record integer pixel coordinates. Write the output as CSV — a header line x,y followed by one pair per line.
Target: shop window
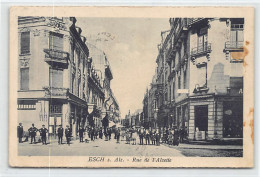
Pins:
x,y
26,105
233,119
56,41
24,79
236,86
25,42
56,78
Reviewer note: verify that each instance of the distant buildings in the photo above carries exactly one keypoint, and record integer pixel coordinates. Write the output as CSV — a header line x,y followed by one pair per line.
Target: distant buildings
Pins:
x,y
58,81
199,78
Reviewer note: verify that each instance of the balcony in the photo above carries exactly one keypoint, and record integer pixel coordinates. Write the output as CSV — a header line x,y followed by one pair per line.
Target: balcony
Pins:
x,y
52,92
170,54
181,30
234,46
201,50
201,89
172,74
194,20
56,57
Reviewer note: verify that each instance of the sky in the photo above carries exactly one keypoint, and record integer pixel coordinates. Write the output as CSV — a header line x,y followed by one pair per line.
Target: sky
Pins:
x,y
131,48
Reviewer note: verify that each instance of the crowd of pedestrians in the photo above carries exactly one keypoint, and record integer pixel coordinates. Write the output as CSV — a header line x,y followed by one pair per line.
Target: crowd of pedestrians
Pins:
x,y
150,136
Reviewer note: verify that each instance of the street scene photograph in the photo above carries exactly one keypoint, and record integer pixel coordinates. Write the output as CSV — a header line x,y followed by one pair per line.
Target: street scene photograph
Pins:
x,y
153,87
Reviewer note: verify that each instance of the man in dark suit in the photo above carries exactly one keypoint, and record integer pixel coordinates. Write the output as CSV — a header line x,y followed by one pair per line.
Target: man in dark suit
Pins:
x,y
43,131
20,132
109,131
118,135
32,133
60,134
141,136
68,134
81,133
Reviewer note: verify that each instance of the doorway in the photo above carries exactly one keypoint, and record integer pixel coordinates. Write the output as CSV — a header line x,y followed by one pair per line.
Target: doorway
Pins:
x,y
201,118
55,119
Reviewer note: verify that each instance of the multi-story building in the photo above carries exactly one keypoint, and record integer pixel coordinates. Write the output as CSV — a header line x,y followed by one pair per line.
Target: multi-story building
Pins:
x,y
204,77
57,83
145,111
102,70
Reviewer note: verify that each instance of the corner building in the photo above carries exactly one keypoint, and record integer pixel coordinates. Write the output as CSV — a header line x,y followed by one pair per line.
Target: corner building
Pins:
x,y
54,73
200,74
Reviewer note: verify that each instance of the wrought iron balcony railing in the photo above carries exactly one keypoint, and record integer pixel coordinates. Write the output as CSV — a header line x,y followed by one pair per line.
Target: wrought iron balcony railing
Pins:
x,y
56,56
55,92
194,20
233,45
201,50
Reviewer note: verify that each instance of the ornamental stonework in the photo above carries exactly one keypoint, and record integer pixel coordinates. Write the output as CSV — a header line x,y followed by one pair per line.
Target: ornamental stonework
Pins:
x,y
24,63
55,23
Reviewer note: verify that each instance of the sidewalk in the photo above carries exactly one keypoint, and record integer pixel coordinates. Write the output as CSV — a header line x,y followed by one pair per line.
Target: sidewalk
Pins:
x,y
218,147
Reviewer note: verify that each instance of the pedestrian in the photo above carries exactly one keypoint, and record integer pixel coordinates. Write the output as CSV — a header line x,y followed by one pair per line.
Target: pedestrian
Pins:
x,y
127,137
89,133
81,133
32,133
100,133
96,133
141,136
109,133
43,131
147,137
60,134
92,133
170,137
157,137
68,134
182,135
118,135
20,133
176,137
153,137
134,136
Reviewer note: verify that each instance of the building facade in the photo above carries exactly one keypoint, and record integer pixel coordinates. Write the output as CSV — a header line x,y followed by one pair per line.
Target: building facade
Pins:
x,y
103,71
200,77
57,82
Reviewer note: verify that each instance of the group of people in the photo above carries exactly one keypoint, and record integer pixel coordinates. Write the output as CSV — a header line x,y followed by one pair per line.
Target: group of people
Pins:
x,y
175,136
93,134
152,137
149,136
172,136
43,134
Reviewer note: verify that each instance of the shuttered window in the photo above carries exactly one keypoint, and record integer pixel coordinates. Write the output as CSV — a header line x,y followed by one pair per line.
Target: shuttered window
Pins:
x,y
237,35
25,42
24,78
56,41
56,78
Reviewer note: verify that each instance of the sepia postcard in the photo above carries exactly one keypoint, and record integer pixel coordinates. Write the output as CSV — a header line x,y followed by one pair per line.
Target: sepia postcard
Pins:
x,y
139,87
